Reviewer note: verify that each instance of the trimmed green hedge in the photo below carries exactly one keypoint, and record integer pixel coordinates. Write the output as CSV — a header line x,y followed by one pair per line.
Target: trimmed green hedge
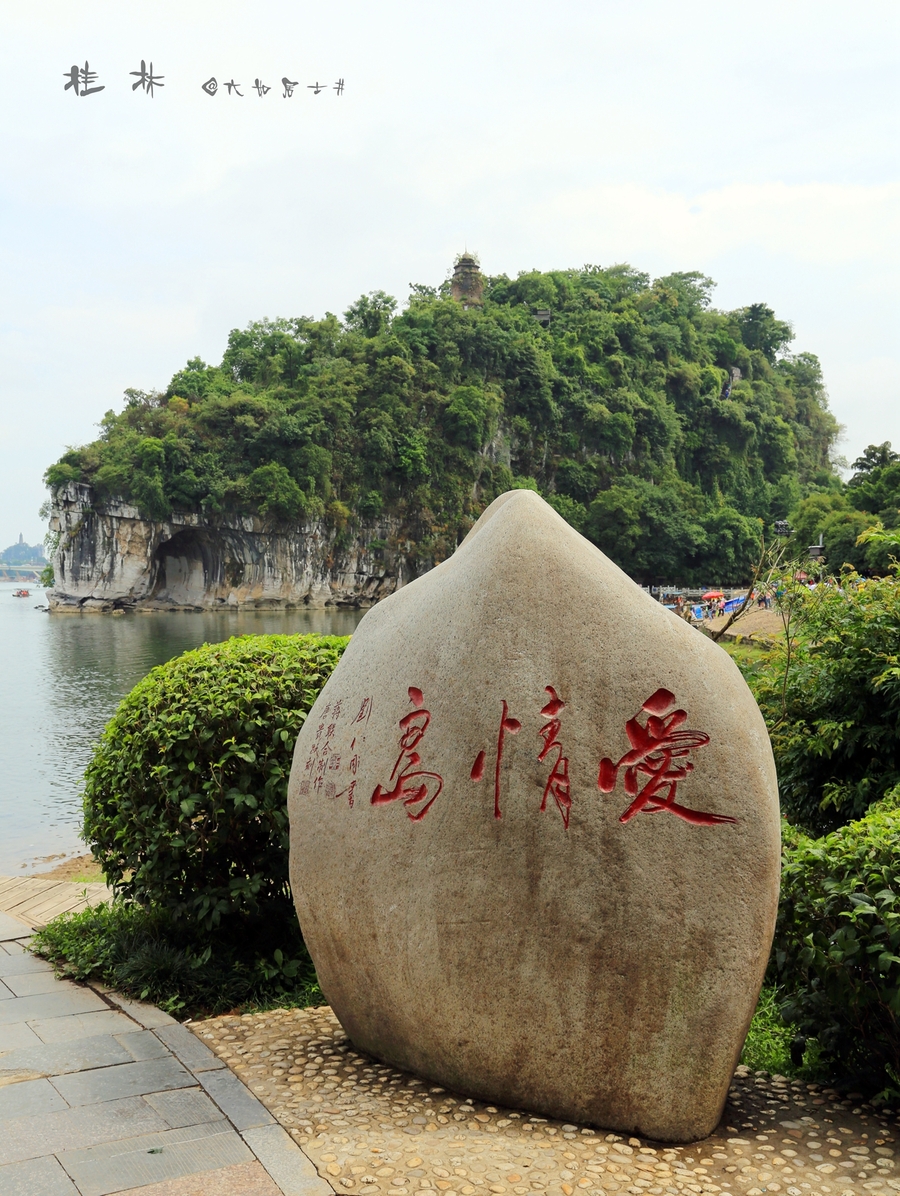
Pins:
x,y
186,796
837,944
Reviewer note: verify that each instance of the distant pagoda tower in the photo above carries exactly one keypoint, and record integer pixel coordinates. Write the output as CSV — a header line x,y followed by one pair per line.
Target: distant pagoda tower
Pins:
x,y
467,284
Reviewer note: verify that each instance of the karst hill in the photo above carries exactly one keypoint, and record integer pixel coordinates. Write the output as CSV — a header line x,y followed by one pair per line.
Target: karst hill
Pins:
x,y
354,453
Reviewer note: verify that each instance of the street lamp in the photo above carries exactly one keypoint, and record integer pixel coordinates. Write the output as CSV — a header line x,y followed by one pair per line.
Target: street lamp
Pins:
x,y
816,551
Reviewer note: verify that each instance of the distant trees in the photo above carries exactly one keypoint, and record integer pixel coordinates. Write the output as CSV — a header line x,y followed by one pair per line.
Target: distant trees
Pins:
x,y
23,554
667,431
839,514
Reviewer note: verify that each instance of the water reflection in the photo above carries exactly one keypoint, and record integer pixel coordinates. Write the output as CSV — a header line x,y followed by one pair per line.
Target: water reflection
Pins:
x,y
62,677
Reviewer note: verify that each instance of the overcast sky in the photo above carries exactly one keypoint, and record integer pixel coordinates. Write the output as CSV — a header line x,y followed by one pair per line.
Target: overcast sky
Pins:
x,y
757,143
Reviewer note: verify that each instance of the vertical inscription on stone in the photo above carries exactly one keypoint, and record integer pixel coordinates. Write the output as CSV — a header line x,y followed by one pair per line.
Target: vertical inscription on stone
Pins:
x,y
510,726
415,787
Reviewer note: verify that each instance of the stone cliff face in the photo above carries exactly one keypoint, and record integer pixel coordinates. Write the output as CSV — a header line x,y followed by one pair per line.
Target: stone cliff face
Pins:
x,y
110,557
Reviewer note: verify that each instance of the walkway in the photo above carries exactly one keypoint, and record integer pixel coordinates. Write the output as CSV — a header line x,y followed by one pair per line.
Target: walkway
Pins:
x,y
35,900
101,1095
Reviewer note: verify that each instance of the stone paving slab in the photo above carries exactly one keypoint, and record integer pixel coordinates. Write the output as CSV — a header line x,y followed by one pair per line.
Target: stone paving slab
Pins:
x,y
61,1003
244,1179
183,1107
21,962
32,983
17,947
127,1079
285,1162
59,1058
72,1129
188,1048
101,1170
142,1044
16,1035
36,1177
100,1095
11,928
81,1025
33,1098
145,1015
238,1105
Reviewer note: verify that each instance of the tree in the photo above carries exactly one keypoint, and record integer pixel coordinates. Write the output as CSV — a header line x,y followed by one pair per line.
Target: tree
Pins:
x,y
276,492
831,517
761,330
876,456
371,314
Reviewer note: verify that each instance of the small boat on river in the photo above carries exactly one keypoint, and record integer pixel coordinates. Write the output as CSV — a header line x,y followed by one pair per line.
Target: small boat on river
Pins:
x,y
21,594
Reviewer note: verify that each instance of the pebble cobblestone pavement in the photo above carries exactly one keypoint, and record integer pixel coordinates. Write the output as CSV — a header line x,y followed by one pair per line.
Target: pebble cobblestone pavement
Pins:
x,y
371,1130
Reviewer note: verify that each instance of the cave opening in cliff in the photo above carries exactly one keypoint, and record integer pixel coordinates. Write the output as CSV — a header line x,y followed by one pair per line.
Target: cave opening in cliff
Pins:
x,y
183,569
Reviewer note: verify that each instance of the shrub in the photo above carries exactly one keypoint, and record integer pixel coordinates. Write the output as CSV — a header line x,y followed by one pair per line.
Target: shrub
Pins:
x,y
837,944
186,795
371,505
833,708
62,473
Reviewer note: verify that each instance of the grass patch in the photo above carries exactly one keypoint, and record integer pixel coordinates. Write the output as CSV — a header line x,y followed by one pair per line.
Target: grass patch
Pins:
x,y
249,964
743,653
769,1039
768,1044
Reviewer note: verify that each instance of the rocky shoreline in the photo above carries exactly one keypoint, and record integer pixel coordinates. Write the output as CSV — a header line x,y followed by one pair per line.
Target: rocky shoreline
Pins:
x,y
110,558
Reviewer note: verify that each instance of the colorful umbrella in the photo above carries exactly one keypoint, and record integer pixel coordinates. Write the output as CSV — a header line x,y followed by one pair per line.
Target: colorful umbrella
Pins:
x,y
712,594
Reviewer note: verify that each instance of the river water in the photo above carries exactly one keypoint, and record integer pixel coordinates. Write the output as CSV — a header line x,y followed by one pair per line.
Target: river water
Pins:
x,y
62,677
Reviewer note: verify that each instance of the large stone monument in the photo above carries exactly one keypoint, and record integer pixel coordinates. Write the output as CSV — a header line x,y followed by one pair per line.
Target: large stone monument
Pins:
x,y
535,836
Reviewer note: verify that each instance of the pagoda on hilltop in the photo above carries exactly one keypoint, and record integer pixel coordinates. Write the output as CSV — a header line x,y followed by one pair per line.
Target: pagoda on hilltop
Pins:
x,y
467,283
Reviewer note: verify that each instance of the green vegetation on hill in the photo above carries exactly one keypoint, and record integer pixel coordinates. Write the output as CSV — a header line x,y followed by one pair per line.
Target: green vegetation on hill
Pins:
x,y
623,411
840,514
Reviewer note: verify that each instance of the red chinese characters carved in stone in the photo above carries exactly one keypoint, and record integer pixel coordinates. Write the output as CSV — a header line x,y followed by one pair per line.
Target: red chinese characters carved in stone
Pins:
x,y
659,752
510,726
417,789
558,781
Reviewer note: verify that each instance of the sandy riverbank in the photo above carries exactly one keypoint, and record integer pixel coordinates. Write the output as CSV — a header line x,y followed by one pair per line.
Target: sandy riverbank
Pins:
x,y
78,868
760,625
